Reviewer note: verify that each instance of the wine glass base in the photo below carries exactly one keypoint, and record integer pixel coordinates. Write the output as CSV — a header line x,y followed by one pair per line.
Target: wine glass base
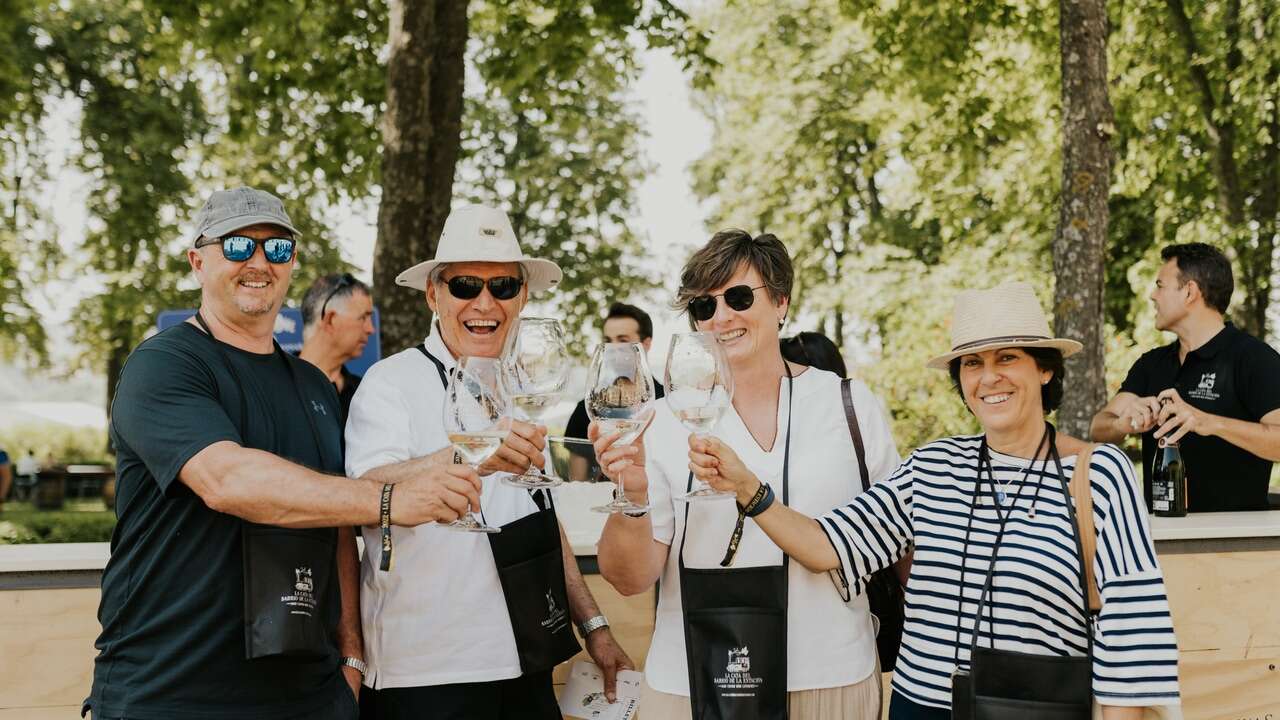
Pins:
x,y
531,481
705,494
625,507
469,523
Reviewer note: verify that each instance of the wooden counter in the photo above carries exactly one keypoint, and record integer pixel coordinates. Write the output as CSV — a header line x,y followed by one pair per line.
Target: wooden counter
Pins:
x,y
1222,572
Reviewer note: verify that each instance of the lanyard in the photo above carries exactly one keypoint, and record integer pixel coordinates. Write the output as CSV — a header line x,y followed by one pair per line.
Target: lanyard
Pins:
x,y
244,403
984,462
736,537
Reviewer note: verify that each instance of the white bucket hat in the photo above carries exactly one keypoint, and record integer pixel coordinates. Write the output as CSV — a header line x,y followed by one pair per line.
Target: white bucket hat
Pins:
x,y
1007,315
476,233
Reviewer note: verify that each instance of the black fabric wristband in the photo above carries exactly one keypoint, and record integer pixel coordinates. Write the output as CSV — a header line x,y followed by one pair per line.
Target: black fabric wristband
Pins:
x,y
385,524
763,496
759,506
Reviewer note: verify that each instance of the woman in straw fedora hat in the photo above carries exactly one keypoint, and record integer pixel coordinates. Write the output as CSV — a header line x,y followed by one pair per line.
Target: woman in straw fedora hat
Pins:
x,y
993,524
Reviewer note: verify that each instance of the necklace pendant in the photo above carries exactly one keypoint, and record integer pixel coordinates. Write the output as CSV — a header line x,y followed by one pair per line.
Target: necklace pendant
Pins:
x,y
1002,498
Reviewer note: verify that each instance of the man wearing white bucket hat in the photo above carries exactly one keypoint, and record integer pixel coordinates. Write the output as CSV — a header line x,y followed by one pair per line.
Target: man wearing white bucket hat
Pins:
x,y
464,626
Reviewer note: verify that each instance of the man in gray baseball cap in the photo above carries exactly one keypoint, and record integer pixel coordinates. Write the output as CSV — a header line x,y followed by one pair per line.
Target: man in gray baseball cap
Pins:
x,y
229,594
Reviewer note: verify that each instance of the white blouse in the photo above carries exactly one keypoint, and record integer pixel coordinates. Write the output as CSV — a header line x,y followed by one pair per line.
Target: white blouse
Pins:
x,y
830,643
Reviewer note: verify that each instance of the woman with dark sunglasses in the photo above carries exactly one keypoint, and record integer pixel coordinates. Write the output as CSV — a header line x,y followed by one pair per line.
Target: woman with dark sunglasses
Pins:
x,y
740,630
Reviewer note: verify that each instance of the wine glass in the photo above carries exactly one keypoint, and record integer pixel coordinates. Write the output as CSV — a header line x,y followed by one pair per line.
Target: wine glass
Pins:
x,y
699,389
536,369
620,397
477,419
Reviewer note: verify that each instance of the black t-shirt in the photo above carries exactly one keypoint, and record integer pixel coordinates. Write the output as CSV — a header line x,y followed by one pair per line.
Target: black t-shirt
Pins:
x,y
1233,375
350,381
172,609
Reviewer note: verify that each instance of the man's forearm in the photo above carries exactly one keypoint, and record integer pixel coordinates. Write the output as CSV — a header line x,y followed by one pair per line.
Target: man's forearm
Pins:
x,y
396,472
350,636
1103,428
1260,439
582,606
627,555
264,488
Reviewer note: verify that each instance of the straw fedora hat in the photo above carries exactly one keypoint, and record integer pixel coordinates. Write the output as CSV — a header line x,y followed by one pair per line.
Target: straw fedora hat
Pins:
x,y
476,233
1007,315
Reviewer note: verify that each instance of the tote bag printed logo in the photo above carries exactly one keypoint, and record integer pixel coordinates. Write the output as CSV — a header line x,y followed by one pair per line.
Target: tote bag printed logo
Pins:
x,y
557,618
303,599
737,680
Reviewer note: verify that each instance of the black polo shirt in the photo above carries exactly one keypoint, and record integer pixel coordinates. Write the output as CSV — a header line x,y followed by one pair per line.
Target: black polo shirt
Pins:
x,y
1233,375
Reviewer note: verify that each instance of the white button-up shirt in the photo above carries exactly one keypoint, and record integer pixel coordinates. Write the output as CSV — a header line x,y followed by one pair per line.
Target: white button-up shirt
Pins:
x,y
439,615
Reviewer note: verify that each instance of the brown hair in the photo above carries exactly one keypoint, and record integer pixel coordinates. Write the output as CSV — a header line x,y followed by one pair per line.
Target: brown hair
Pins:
x,y
713,264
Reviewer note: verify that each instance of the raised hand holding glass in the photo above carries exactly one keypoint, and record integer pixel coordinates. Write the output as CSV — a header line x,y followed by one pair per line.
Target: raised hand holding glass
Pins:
x,y
536,369
477,419
699,389
620,397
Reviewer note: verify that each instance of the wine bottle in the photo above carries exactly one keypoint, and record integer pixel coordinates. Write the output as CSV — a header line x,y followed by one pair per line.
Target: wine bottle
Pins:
x,y
1169,482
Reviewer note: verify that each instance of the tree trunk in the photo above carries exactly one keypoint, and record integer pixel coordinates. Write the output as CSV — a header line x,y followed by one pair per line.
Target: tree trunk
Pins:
x,y
1080,240
421,138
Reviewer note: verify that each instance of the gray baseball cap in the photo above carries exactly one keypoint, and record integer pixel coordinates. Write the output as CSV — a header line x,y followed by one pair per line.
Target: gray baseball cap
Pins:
x,y
229,210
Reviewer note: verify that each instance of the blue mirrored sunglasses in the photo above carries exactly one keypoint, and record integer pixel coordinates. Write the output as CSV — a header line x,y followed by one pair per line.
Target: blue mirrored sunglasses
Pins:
x,y
238,248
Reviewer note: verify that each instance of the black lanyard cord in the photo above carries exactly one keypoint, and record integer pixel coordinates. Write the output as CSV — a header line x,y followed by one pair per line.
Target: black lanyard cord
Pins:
x,y
984,461
736,537
244,403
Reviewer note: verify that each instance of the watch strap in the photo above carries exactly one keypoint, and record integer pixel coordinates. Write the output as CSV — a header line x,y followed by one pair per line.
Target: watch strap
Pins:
x,y
591,624
356,663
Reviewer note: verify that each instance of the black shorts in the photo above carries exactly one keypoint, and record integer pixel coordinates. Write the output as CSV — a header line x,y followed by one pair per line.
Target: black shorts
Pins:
x,y
528,697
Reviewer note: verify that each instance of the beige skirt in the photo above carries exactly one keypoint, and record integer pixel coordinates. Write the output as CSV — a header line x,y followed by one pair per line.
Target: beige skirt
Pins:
x,y
859,701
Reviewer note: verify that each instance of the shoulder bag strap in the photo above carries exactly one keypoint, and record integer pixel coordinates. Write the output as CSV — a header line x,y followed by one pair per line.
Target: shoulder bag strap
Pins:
x,y
1083,496
851,417
837,575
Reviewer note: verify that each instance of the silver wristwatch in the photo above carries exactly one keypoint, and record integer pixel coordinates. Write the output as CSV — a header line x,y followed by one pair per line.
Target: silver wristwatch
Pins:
x,y
356,663
590,624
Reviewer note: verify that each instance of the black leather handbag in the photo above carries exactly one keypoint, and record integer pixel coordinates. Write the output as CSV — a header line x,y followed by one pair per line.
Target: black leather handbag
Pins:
x,y
1007,685
885,594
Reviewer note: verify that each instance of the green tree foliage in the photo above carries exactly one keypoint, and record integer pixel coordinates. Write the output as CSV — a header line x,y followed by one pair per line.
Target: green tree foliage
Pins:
x,y
551,135
22,237
179,98
906,150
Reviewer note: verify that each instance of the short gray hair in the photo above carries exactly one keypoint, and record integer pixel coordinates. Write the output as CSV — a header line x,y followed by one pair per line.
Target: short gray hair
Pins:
x,y
338,286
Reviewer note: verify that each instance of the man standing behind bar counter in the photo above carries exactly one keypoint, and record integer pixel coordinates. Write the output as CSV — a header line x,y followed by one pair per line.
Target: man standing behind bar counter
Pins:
x,y
1215,390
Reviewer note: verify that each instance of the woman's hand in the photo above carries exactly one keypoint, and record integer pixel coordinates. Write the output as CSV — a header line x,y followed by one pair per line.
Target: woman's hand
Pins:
x,y
713,461
621,461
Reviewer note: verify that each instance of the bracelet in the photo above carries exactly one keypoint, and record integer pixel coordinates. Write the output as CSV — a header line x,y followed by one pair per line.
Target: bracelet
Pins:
x,y
590,624
385,524
356,663
761,502
758,504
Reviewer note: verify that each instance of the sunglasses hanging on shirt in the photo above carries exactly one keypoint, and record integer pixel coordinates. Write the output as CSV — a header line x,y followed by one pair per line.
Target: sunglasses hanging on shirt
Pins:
x,y
468,287
239,248
738,297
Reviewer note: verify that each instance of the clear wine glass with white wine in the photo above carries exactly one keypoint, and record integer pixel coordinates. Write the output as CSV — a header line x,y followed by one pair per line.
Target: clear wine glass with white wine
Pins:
x,y
477,418
536,369
620,397
699,389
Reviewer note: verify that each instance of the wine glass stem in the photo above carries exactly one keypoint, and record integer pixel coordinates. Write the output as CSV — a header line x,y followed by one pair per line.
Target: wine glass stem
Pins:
x,y
622,485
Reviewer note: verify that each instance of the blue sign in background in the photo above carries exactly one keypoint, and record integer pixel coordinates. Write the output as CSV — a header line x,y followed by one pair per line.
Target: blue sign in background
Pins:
x,y
289,334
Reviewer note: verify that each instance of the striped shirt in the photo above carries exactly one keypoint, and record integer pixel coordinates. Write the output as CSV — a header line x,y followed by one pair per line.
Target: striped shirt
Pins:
x,y
1036,602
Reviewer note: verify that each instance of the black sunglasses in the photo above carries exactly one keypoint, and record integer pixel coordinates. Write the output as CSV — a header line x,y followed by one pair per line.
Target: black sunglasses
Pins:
x,y
345,281
468,287
738,297
239,248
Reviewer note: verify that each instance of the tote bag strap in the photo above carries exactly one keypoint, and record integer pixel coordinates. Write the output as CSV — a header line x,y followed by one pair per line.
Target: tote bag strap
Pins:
x,y
1083,496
